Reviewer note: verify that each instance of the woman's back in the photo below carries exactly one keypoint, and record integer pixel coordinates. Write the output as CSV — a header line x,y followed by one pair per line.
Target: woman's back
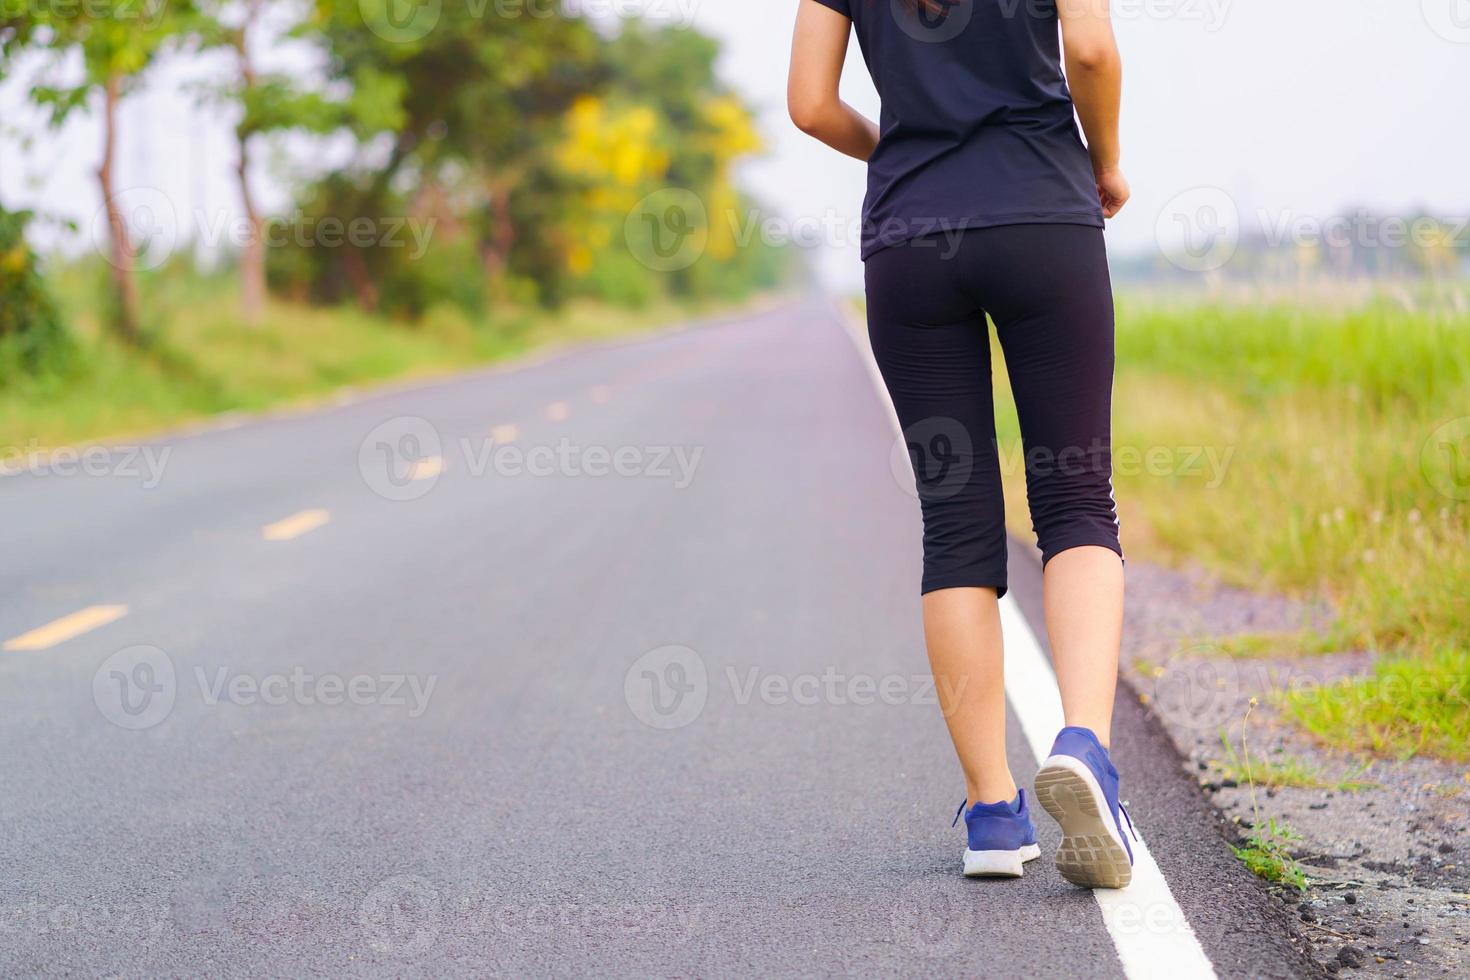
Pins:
x,y
977,125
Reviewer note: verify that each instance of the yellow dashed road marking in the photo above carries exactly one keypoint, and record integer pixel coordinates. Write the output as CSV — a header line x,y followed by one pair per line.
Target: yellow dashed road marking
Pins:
x,y
558,411
295,525
82,621
427,468
505,433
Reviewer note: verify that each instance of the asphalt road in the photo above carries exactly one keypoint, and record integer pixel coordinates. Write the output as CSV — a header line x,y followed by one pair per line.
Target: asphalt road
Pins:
x,y
635,689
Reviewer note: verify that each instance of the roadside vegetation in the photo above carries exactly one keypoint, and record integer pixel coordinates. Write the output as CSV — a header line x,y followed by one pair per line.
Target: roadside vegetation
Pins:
x,y
205,359
1324,453
463,188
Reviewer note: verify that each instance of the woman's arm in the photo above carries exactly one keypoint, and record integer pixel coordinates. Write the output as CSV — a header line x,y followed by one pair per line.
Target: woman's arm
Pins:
x,y
817,53
1095,75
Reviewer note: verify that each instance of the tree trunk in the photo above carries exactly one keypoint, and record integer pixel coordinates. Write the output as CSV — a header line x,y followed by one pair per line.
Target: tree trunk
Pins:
x,y
125,315
252,258
495,250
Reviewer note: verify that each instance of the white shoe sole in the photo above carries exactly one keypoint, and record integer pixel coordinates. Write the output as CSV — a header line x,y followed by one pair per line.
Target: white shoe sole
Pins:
x,y
999,864
1092,853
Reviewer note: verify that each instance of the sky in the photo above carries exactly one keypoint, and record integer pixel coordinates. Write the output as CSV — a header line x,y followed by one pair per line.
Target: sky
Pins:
x,y
1282,114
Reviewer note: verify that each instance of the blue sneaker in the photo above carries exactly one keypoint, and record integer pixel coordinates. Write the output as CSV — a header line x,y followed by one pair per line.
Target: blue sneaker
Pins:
x,y
1078,786
1002,838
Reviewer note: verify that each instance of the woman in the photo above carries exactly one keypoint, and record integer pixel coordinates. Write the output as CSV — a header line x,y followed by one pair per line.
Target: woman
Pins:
x,y
983,200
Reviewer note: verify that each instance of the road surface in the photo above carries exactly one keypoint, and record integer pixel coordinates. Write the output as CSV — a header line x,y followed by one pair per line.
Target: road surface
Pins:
x,y
607,662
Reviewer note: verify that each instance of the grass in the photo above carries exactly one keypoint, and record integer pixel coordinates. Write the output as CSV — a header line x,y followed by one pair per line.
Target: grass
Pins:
x,y
1267,851
201,359
1285,770
1406,706
1320,453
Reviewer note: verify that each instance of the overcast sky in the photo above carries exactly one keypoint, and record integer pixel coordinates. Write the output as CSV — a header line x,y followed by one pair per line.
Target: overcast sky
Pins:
x,y
1296,110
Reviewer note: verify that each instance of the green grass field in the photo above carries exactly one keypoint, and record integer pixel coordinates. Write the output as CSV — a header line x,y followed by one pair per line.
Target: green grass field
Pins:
x,y
1322,454
203,360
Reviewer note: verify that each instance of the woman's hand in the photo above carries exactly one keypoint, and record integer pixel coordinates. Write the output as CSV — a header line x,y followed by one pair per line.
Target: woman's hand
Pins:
x,y
1113,191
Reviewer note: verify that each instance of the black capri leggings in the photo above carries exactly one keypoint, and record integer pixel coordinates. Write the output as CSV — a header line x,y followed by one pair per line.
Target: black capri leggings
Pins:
x,y
1046,287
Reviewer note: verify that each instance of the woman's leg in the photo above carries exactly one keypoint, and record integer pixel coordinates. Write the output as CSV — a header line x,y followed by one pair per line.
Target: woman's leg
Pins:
x,y
1052,301
1084,621
932,345
962,630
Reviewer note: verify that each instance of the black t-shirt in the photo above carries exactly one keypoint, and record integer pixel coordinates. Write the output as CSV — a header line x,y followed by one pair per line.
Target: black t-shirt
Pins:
x,y
977,127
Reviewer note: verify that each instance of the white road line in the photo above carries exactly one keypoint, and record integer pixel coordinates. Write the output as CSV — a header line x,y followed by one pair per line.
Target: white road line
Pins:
x,y
60,630
1148,928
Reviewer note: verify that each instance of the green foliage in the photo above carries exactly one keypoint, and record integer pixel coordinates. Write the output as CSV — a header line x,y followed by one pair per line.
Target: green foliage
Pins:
x,y
32,337
1406,706
1267,854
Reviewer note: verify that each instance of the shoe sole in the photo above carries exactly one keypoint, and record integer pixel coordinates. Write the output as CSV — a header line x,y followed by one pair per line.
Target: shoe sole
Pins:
x,y
999,864
1091,854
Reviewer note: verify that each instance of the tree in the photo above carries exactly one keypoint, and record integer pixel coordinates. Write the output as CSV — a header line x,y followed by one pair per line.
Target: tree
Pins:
x,y
473,100
267,102
116,42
